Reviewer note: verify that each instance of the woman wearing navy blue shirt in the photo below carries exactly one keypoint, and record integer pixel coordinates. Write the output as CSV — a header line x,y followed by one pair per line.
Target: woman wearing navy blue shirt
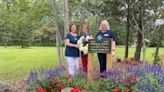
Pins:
x,y
105,32
72,51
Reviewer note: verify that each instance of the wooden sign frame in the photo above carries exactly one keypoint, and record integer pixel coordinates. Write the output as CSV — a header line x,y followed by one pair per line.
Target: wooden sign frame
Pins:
x,y
105,47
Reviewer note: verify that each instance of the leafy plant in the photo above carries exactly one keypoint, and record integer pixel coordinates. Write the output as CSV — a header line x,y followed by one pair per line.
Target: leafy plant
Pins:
x,y
136,78
157,59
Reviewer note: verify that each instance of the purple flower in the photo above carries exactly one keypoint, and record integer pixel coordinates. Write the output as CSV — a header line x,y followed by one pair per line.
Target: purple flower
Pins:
x,y
153,89
34,75
140,86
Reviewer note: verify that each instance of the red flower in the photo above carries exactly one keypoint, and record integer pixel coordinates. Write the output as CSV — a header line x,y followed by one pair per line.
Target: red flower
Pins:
x,y
59,85
134,78
125,81
53,78
77,89
52,90
116,89
49,87
40,89
62,87
129,79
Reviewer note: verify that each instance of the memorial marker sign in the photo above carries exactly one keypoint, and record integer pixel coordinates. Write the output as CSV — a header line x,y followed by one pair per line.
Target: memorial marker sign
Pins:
x,y
99,46
103,46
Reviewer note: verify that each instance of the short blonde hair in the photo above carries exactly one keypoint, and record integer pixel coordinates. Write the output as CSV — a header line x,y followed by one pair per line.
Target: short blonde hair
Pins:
x,y
104,22
85,25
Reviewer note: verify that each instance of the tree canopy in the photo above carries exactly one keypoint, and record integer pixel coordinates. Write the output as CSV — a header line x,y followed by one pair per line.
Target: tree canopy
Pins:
x,y
31,22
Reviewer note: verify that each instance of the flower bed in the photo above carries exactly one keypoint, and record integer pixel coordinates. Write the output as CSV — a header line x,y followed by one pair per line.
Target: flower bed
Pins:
x,y
138,78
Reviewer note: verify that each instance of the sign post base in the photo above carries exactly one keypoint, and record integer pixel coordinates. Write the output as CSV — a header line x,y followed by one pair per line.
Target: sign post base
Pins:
x,y
90,67
109,61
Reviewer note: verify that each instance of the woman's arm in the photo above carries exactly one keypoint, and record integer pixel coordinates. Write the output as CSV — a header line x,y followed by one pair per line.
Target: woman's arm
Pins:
x,y
67,42
113,48
113,45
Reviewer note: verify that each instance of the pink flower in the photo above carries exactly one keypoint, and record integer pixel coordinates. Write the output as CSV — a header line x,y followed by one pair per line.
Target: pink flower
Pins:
x,y
116,89
102,75
125,81
40,89
134,78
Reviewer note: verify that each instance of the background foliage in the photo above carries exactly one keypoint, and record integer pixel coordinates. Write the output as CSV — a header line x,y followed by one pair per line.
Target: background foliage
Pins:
x,y
29,22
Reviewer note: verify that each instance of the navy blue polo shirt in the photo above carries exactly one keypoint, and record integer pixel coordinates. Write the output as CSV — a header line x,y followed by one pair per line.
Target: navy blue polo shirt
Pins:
x,y
107,34
72,51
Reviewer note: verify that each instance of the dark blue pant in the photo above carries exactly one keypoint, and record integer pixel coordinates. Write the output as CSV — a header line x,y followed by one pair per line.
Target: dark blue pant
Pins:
x,y
102,61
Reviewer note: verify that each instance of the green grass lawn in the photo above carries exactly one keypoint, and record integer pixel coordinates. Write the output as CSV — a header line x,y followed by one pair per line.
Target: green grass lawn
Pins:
x,y
15,62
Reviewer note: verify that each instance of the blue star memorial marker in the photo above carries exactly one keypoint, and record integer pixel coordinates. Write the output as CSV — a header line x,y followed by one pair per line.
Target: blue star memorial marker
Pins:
x,y
99,38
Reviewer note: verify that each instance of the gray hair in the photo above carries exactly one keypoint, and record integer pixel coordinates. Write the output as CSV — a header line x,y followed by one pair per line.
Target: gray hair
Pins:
x,y
104,22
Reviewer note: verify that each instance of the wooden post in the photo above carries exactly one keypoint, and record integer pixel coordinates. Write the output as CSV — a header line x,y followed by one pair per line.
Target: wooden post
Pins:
x,y
109,58
90,67
109,61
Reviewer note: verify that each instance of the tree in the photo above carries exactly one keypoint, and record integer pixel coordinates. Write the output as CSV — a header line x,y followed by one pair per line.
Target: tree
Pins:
x,y
60,58
6,22
21,19
142,21
66,17
128,17
160,37
158,15
140,34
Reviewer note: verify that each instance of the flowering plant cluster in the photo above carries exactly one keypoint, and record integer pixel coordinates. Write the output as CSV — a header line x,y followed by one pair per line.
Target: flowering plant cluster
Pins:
x,y
130,81
83,46
136,78
46,80
52,86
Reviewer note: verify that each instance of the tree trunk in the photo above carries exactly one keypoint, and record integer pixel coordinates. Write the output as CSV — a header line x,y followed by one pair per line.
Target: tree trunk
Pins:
x,y
43,41
138,47
139,34
158,46
128,31
156,51
57,32
5,42
22,45
66,17
61,47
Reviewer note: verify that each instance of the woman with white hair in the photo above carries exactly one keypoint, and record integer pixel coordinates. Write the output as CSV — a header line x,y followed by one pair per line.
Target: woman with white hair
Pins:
x,y
105,32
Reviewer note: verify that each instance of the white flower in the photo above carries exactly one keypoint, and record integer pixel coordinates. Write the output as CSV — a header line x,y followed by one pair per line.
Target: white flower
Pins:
x,y
83,48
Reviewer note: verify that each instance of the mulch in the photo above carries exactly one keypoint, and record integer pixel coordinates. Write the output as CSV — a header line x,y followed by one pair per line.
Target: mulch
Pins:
x,y
19,86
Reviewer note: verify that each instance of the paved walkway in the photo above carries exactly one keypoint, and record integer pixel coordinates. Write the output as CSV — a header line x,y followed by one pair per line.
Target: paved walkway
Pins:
x,y
4,87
